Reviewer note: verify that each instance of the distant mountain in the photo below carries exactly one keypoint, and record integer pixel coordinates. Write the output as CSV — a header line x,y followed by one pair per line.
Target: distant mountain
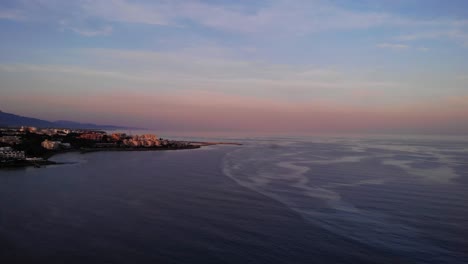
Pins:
x,y
12,120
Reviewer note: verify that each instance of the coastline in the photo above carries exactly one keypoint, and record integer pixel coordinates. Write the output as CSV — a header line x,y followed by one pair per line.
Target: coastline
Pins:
x,y
26,163
47,156
86,150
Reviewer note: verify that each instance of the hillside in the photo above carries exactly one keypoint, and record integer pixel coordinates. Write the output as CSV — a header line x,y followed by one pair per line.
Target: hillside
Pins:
x,y
12,120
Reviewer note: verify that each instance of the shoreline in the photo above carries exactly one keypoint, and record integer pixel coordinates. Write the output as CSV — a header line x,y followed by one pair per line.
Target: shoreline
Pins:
x,y
26,163
204,143
87,150
47,156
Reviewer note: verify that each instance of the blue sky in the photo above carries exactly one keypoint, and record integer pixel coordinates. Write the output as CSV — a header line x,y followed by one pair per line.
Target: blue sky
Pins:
x,y
361,56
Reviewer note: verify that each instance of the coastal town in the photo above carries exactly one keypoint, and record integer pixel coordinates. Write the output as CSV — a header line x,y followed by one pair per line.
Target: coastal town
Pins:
x,y
31,146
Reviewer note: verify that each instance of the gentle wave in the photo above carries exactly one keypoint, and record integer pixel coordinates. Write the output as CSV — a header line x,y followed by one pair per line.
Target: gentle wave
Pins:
x,y
330,184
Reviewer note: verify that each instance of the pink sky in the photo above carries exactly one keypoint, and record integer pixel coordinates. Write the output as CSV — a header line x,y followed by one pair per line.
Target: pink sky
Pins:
x,y
204,111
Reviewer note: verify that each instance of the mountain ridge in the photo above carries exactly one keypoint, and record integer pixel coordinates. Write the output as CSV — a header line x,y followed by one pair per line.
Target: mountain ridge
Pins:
x,y
13,120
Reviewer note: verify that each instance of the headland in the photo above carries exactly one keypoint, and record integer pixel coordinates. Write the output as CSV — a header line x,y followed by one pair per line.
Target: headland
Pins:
x,y
30,146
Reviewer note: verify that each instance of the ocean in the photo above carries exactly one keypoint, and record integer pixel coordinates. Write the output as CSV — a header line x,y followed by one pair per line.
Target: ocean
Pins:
x,y
271,200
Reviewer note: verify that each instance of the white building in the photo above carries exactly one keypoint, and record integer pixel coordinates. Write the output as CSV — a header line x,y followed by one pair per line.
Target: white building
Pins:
x,y
47,144
63,132
11,154
10,140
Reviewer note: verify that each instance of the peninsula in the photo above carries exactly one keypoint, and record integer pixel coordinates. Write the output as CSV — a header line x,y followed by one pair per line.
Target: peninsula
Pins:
x,y
31,146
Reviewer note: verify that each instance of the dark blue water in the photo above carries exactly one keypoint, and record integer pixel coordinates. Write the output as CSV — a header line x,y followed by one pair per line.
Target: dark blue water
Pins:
x,y
269,201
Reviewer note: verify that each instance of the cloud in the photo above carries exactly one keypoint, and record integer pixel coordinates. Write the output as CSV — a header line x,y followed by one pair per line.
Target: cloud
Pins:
x,y
125,11
12,14
62,69
86,31
298,17
275,18
189,90
393,46
192,69
422,35
104,31
278,17
214,69
458,35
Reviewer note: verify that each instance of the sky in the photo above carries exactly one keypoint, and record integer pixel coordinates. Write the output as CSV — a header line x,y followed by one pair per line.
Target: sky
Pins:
x,y
263,67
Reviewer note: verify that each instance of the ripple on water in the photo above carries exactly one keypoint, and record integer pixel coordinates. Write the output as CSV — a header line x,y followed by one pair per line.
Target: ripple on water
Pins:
x,y
342,175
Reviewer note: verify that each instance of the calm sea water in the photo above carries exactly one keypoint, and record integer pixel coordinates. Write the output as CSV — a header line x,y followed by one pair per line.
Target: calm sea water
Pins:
x,y
268,201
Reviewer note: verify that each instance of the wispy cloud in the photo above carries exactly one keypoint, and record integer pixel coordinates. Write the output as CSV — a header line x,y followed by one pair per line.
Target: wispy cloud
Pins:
x,y
393,46
277,17
188,70
105,31
452,34
125,11
12,14
86,31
